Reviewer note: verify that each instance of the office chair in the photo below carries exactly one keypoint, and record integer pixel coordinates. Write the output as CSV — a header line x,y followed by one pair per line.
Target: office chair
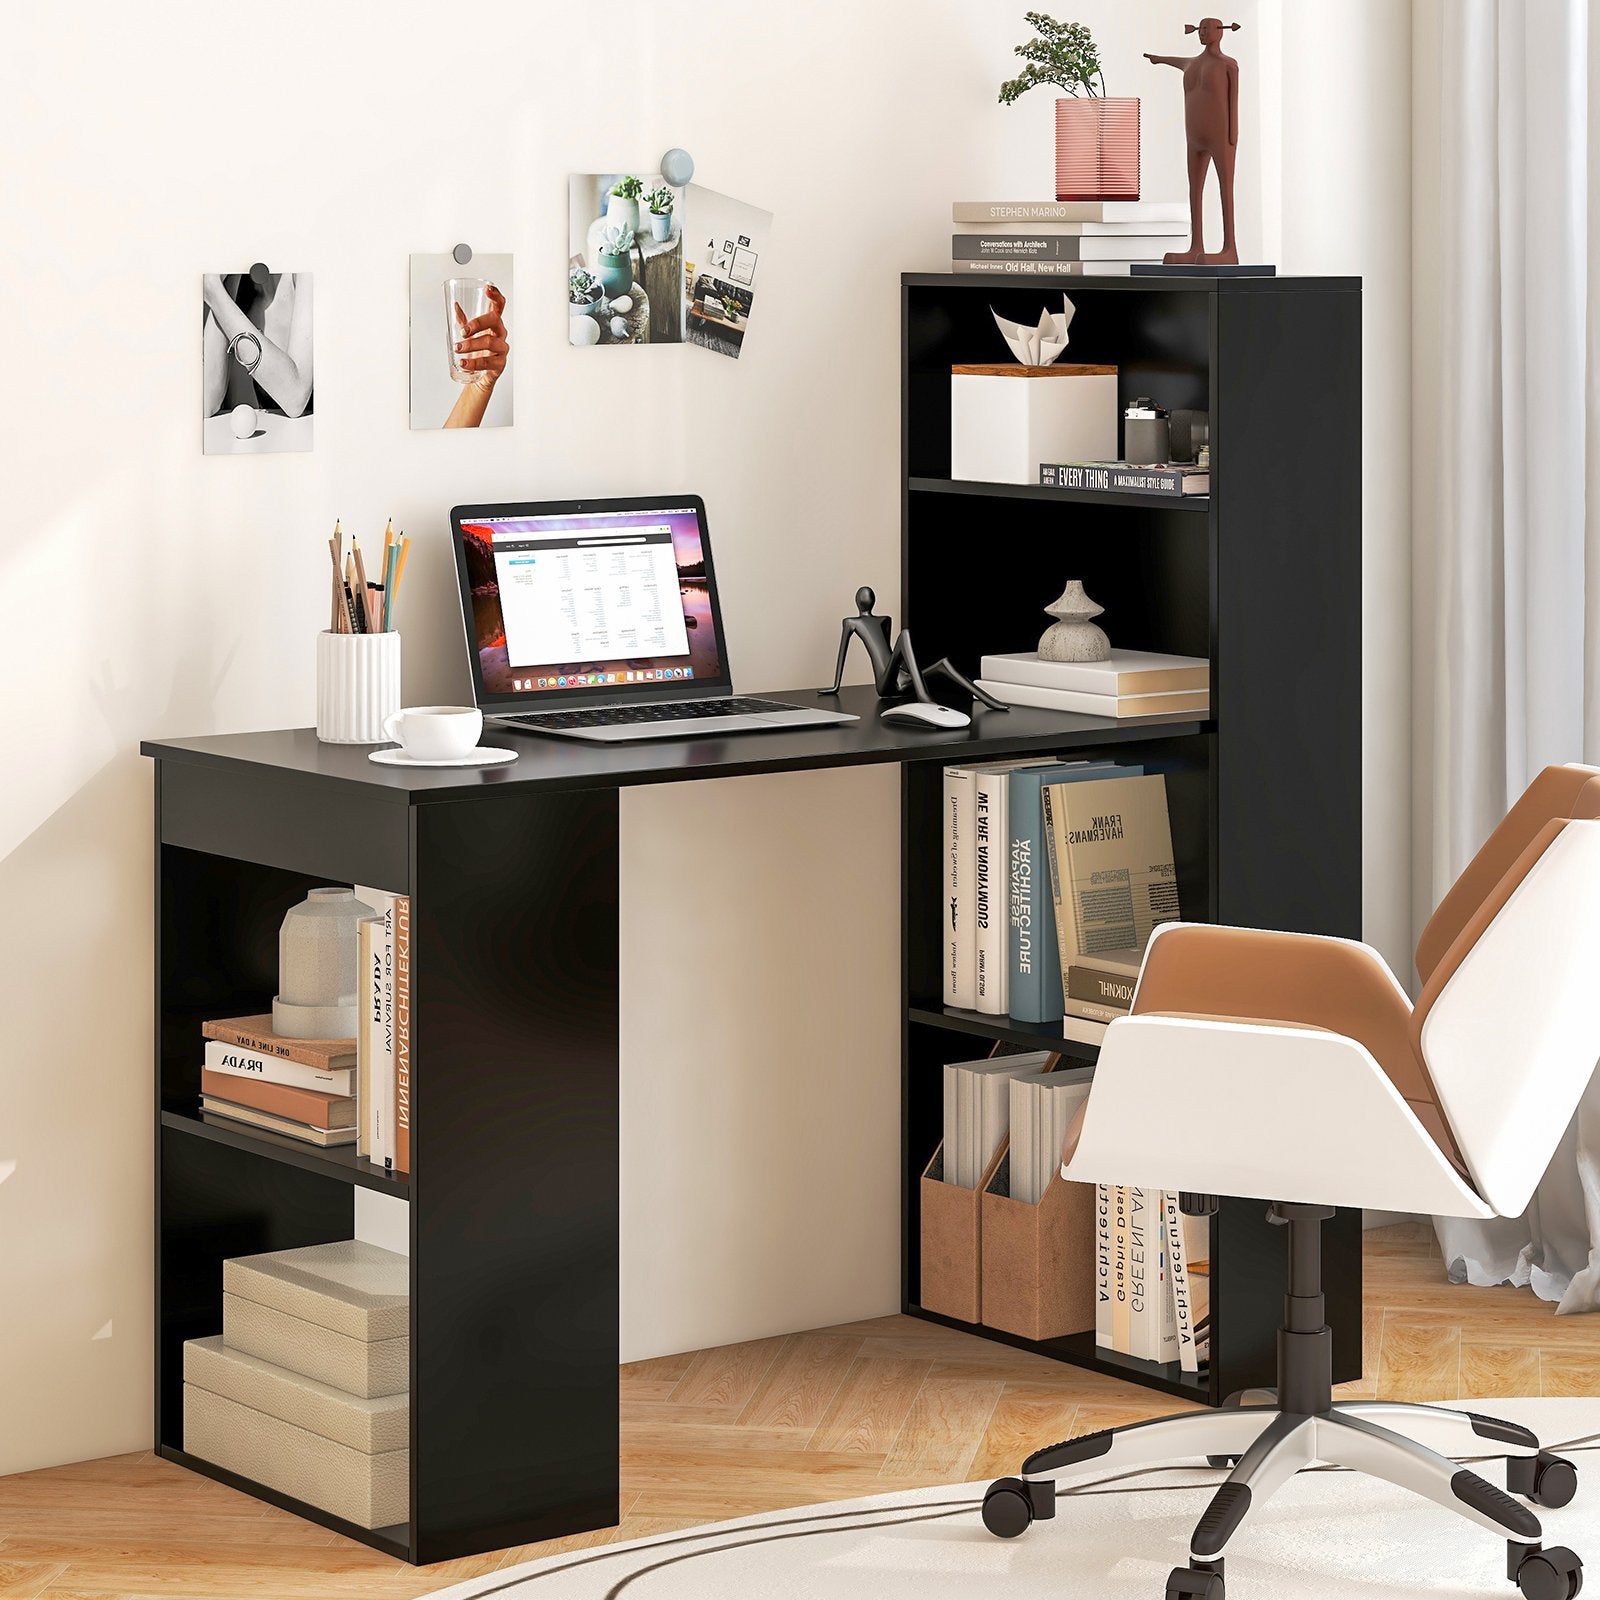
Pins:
x,y
1308,1080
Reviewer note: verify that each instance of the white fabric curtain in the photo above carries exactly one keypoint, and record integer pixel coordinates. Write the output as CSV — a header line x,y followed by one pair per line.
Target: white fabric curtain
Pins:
x,y
1515,583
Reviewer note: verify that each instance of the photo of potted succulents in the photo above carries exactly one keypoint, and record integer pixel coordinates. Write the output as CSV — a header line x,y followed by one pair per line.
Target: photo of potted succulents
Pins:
x,y
622,205
616,260
1097,137
660,201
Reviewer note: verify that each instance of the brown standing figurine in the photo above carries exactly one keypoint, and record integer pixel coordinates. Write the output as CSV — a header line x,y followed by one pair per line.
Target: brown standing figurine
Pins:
x,y
1211,124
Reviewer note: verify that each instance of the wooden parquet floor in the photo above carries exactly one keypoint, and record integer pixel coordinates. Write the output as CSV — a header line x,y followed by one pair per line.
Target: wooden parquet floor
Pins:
x,y
826,1415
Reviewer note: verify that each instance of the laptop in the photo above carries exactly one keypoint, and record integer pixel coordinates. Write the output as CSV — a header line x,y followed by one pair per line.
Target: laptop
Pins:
x,y
599,619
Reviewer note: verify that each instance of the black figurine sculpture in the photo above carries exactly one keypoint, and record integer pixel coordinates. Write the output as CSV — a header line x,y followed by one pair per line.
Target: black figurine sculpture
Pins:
x,y
894,669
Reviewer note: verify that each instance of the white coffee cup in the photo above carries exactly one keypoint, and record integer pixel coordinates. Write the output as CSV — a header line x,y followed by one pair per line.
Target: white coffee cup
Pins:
x,y
435,733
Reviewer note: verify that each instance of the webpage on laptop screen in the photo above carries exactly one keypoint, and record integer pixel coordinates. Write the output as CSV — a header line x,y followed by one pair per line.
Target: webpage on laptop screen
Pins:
x,y
572,602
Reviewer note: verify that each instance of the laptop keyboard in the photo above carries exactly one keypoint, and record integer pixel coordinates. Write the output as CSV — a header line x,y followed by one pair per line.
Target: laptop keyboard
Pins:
x,y
631,716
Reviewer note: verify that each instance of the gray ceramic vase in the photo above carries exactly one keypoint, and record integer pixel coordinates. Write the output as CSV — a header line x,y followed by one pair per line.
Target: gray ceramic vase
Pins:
x,y
1074,637
317,980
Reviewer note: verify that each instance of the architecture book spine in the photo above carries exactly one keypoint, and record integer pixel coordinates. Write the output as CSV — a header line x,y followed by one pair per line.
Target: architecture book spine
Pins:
x,y
1034,986
960,950
1178,1276
241,1063
1119,1269
364,1035
1122,478
989,812
378,1026
1102,1266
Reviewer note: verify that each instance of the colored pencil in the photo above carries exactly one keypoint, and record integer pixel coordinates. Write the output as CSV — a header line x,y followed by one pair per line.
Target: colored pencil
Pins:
x,y
363,595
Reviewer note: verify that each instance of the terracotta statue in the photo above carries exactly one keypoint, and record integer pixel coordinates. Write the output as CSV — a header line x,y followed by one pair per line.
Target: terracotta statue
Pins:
x,y
1211,123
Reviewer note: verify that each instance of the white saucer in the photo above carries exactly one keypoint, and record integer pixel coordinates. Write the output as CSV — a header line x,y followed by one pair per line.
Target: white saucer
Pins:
x,y
482,757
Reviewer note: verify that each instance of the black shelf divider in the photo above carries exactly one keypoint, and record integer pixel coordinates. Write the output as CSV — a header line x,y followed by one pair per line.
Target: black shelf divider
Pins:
x,y
339,1162
1262,577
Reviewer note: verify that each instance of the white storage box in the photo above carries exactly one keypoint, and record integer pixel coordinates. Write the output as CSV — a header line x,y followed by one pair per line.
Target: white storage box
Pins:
x,y
1005,419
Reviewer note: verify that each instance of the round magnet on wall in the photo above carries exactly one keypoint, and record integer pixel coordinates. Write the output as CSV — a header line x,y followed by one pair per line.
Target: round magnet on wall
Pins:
x,y
259,275
462,254
677,167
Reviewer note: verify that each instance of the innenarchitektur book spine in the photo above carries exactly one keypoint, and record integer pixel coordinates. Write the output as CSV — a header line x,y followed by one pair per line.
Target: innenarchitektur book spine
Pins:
x,y
960,949
988,890
1034,988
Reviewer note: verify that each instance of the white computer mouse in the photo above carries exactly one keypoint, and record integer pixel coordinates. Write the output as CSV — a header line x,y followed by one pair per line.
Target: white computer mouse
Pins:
x,y
925,716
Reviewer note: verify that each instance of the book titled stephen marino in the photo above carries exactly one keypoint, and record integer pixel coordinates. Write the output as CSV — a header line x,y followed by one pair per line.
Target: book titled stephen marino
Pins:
x,y
1174,478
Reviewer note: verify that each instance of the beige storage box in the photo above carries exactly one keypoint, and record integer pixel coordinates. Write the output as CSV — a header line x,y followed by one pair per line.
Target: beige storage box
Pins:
x,y
1038,1266
371,1491
370,1426
952,1253
338,1313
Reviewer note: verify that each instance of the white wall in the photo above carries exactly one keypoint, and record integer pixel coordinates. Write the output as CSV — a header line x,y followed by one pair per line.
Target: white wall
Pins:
x,y
145,147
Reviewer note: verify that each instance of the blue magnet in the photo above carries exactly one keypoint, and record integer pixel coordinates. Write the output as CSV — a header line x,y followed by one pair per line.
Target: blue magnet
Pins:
x,y
677,167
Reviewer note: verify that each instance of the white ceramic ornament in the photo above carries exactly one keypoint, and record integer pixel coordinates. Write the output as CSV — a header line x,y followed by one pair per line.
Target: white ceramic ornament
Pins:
x,y
583,331
317,976
623,304
619,327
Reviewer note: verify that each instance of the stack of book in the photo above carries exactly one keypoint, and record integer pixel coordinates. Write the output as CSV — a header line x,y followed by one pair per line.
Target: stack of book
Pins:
x,y
1100,983
1128,683
1015,238
1042,1109
977,1110
1152,1277
301,1088
1024,842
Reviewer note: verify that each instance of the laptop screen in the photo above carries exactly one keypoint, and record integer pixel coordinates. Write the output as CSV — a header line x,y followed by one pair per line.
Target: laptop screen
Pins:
x,y
592,600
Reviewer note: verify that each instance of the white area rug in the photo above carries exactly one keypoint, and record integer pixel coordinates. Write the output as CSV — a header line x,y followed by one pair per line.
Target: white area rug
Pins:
x,y
1326,1534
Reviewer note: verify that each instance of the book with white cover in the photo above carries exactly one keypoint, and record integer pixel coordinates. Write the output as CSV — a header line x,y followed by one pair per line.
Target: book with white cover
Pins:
x,y
1102,1265
988,890
1082,1031
1188,1354
1123,672
1119,1268
1139,228
983,1110
375,1029
1194,703
960,949
1042,1109
241,1063
1143,1226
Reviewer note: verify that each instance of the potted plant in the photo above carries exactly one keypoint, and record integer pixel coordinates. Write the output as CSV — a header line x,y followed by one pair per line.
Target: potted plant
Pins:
x,y
1097,136
730,308
615,254
660,202
622,204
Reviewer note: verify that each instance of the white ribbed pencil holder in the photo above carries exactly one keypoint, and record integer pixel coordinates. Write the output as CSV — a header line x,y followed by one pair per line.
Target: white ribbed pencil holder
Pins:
x,y
358,686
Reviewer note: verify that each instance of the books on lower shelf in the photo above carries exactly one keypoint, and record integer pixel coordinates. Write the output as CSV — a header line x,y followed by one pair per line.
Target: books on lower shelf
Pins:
x,y
1152,1277
1042,1109
977,1110
1127,684
1174,478
329,1092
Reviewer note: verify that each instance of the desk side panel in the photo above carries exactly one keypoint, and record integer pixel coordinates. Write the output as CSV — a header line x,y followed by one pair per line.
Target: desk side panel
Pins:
x,y
514,1174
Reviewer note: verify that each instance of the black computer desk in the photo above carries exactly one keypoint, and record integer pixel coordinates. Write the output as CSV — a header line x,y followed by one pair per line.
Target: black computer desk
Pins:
x,y
513,878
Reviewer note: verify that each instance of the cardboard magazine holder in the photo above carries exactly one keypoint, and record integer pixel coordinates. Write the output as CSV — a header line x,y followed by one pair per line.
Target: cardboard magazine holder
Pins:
x,y
952,1242
1038,1260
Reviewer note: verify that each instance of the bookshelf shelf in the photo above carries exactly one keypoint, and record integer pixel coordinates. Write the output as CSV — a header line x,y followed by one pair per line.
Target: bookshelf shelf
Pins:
x,y
1006,1030
1080,1350
1265,807
1084,497
340,1163
394,1541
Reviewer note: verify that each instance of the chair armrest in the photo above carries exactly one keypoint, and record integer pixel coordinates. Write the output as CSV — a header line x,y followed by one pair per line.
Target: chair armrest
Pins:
x,y
1260,1111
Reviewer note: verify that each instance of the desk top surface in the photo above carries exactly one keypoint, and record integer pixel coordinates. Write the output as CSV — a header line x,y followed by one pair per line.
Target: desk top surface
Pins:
x,y
549,763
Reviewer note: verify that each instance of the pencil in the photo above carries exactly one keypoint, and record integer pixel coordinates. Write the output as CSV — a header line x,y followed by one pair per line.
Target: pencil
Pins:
x,y
335,625
391,558
350,595
363,595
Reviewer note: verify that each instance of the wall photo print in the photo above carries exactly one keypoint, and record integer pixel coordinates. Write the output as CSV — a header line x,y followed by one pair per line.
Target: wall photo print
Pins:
x,y
461,341
625,260
727,240
256,362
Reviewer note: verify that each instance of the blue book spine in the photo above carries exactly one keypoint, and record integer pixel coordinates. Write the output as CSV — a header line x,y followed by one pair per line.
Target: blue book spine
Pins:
x,y
1035,981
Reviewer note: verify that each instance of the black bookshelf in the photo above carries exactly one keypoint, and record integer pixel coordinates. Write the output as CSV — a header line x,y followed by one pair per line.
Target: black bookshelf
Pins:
x,y
1262,576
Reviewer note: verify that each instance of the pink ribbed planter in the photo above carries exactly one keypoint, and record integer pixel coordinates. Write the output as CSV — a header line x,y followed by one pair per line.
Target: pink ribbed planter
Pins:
x,y
1097,148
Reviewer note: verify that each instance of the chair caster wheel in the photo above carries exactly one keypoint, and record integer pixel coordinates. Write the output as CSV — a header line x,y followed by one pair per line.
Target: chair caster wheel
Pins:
x,y
1187,1583
1007,1508
1544,1479
1554,1574
1230,1462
